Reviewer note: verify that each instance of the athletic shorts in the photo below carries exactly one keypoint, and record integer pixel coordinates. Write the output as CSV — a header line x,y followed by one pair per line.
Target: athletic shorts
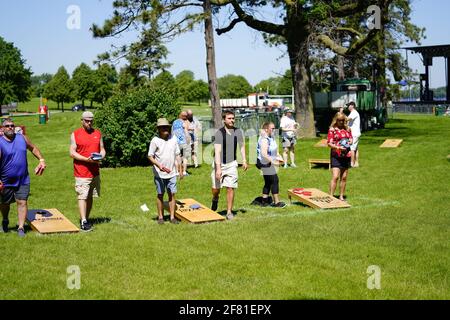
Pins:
x,y
87,187
289,142
229,177
165,184
11,194
354,145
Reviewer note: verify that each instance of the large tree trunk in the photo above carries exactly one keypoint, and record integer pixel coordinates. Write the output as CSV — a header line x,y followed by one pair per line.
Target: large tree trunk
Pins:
x,y
340,63
340,66
381,56
211,66
298,56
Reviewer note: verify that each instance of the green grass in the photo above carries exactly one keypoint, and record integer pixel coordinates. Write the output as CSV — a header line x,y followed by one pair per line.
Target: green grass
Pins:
x,y
399,221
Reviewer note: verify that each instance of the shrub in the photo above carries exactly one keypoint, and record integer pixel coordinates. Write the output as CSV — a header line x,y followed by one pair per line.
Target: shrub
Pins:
x,y
128,123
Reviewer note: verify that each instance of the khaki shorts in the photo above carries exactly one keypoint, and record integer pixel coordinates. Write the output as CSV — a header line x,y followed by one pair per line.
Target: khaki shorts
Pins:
x,y
229,177
354,145
87,187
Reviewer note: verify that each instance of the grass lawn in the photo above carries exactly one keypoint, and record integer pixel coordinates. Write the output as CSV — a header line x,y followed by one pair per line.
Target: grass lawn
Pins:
x,y
399,221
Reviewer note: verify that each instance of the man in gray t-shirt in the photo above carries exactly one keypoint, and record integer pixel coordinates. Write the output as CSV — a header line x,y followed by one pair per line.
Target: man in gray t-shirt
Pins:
x,y
224,173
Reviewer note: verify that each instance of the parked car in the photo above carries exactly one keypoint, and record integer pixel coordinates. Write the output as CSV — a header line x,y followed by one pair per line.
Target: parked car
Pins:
x,y
78,107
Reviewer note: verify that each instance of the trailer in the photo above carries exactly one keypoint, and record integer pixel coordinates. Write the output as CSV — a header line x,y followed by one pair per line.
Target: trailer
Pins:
x,y
364,93
254,101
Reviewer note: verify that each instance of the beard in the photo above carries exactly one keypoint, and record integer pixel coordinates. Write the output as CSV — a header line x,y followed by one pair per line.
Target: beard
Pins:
x,y
9,134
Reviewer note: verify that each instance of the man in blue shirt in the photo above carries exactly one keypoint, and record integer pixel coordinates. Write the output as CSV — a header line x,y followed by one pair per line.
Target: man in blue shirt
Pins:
x,y
180,131
14,177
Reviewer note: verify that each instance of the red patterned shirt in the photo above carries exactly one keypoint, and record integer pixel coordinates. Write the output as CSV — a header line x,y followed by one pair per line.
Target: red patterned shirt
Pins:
x,y
335,136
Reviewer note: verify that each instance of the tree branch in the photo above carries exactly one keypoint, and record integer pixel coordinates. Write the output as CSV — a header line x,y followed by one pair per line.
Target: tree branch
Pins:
x,y
230,26
253,23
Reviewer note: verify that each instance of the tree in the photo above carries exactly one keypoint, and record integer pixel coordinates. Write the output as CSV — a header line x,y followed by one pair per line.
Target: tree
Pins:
x,y
15,79
380,55
104,79
83,81
163,20
211,65
233,86
166,81
183,81
38,83
301,23
60,88
198,91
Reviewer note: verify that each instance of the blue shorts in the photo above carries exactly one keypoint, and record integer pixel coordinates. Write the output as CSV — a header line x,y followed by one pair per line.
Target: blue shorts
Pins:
x,y
166,184
11,194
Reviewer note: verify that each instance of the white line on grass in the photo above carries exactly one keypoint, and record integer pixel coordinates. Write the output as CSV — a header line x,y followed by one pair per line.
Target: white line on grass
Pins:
x,y
316,211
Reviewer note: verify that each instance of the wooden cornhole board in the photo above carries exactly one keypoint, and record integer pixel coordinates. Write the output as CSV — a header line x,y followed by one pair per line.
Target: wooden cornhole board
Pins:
x,y
49,221
185,213
316,199
322,144
391,143
319,161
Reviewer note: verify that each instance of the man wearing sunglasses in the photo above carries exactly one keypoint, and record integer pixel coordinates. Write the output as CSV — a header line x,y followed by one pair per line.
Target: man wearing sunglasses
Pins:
x,y
87,150
14,176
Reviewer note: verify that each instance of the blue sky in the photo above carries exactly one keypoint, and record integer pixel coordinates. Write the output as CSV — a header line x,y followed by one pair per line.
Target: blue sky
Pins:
x,y
39,29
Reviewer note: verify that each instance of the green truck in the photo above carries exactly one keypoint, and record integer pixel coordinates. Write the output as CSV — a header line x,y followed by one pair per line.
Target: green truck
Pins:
x,y
363,92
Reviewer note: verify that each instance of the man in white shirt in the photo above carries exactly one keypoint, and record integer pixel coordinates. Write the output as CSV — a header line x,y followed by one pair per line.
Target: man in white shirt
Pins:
x,y
289,129
195,132
164,154
355,126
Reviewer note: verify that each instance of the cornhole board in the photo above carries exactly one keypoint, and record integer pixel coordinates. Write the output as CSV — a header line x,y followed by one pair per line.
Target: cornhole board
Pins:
x,y
49,221
316,199
322,144
185,213
391,143
319,161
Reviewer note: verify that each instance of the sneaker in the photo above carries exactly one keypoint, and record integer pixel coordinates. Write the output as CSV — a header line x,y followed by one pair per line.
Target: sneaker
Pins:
x,y
174,221
85,226
5,224
185,173
285,166
230,216
279,205
214,205
21,232
160,220
293,165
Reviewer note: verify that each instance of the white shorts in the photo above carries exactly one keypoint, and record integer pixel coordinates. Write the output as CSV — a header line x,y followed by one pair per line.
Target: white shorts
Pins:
x,y
354,145
229,177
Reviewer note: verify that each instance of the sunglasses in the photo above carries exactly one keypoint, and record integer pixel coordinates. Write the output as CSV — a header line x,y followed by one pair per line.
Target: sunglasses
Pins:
x,y
89,121
9,126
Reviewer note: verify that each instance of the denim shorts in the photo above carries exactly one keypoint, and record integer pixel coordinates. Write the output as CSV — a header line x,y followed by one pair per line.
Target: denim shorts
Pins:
x,y
11,194
166,184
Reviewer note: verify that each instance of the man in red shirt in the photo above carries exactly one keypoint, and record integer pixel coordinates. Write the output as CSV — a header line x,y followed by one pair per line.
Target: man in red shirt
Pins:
x,y
86,149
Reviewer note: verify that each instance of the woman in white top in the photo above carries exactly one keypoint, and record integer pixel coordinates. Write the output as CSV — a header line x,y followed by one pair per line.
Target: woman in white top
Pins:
x,y
267,160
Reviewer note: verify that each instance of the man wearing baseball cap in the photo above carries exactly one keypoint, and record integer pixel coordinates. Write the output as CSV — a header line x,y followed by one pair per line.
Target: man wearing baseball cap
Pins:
x,y
289,129
355,126
86,149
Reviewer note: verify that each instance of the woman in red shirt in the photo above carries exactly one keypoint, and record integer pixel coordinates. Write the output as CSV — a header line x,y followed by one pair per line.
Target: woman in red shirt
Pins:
x,y
339,140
